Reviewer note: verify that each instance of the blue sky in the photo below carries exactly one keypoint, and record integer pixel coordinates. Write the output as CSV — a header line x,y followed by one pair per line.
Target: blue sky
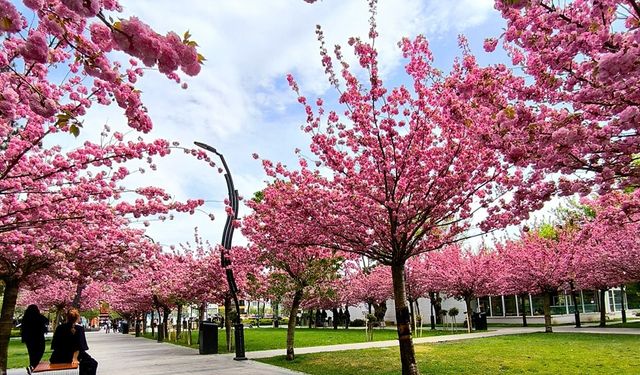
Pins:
x,y
240,102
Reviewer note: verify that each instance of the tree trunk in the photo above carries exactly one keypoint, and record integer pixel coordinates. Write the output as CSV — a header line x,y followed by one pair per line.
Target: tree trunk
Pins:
x,y
347,317
576,311
138,323
547,312
189,331
523,309
165,321
6,320
202,309
144,323
467,301
178,322
432,300
380,310
153,326
78,296
407,352
603,309
56,320
291,327
227,322
311,320
335,318
276,314
623,311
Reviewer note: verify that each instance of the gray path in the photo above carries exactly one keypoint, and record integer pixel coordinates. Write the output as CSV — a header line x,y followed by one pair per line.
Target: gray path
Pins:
x,y
119,354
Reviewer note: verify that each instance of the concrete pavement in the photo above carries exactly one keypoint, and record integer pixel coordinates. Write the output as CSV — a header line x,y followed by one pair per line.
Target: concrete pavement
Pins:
x,y
119,354
127,355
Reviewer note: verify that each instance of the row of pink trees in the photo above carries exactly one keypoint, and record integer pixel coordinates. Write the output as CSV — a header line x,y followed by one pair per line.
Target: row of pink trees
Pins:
x,y
406,170
55,203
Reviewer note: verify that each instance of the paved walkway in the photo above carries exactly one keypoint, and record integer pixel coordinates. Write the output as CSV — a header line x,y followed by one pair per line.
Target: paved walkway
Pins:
x,y
119,354
128,355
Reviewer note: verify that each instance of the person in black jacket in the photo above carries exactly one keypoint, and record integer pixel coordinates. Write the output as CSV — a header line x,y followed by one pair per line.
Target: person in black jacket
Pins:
x,y
69,338
34,326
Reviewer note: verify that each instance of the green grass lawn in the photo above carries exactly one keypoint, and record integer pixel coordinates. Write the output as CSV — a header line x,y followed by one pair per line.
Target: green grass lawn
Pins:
x,y
634,324
18,356
276,338
536,353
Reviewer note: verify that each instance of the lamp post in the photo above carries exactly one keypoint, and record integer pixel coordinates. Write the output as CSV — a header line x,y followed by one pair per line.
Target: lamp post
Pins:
x,y
227,235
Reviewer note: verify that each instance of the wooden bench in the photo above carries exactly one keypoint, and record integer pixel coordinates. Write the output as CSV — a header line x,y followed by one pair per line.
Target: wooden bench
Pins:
x,y
46,366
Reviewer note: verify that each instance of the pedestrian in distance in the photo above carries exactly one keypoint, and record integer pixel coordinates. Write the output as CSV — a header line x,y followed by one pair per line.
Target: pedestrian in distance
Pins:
x,y
69,338
33,328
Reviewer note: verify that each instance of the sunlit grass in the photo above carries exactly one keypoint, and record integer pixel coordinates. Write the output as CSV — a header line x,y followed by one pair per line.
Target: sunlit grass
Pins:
x,y
535,353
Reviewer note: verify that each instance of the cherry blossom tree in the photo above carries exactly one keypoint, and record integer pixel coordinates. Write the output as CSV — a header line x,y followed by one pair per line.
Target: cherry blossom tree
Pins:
x,y
372,286
50,293
541,262
405,170
577,111
295,270
419,285
462,273
609,246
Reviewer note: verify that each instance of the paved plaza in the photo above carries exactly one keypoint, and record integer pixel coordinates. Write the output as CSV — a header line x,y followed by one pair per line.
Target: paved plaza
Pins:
x,y
119,354
127,355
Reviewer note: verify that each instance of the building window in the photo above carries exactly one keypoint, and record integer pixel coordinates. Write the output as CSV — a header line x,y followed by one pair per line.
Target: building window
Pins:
x,y
590,301
537,304
496,306
559,304
633,296
510,306
483,305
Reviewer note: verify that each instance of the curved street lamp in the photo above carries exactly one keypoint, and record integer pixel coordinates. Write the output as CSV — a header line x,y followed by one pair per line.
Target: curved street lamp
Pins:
x,y
227,235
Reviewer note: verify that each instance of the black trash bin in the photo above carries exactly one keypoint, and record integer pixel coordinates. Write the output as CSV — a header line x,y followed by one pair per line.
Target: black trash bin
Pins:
x,y
208,338
124,327
481,321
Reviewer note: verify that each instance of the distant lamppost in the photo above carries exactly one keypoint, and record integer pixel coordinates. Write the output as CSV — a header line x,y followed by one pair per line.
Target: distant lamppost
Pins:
x,y
227,235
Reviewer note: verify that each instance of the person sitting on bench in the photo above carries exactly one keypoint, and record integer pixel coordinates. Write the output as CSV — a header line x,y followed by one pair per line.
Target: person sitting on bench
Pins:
x,y
68,338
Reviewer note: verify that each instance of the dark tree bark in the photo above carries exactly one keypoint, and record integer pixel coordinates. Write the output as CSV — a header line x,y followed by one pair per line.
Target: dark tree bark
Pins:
x,y
78,296
153,326
623,310
347,318
523,309
467,301
276,314
380,310
432,299
165,323
179,322
576,311
547,312
291,326
335,318
407,352
603,309
9,299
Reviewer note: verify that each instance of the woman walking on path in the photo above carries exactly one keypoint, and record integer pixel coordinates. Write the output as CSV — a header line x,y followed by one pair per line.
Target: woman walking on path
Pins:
x,y
34,326
68,339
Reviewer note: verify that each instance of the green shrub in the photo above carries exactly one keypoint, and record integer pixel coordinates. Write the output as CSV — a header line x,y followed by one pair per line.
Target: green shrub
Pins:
x,y
357,323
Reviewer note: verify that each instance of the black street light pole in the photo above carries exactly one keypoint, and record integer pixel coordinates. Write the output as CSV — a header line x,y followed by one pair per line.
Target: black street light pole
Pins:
x,y
227,235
